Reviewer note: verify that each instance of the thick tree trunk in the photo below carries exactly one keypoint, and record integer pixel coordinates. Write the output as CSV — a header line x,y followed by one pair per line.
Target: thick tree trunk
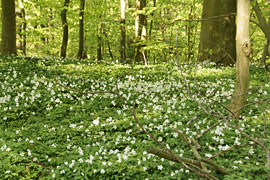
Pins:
x,y
65,30
243,49
8,27
123,31
217,39
81,32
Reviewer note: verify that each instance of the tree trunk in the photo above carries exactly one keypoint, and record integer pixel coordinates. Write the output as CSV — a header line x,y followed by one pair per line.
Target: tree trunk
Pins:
x,y
123,31
217,39
140,31
151,22
8,27
243,49
24,30
81,32
265,52
21,28
109,46
265,27
99,36
65,30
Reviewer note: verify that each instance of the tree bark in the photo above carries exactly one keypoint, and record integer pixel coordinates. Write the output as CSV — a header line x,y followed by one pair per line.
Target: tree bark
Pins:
x,y
243,49
24,24
151,22
65,30
8,27
21,29
140,32
81,32
99,36
217,38
265,27
123,31
109,46
265,51
164,154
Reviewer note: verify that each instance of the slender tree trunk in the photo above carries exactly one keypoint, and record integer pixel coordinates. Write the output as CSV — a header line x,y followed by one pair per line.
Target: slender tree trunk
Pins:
x,y
265,27
140,31
243,49
8,27
217,39
263,24
81,35
189,33
65,30
99,36
151,22
21,28
265,52
137,30
123,31
144,37
109,46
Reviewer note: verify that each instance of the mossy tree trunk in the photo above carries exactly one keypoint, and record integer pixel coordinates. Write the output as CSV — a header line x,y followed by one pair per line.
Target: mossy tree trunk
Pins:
x,y
243,49
217,39
8,27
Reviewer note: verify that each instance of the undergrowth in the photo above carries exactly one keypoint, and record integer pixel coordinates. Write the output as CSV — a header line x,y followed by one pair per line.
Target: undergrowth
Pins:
x,y
51,132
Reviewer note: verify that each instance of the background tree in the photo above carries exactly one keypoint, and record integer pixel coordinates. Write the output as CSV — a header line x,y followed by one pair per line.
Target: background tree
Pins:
x,y
21,28
81,31
123,30
243,49
217,40
8,27
264,25
65,30
140,31
99,38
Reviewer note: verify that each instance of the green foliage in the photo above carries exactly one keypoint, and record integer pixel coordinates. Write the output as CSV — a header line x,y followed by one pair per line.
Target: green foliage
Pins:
x,y
50,132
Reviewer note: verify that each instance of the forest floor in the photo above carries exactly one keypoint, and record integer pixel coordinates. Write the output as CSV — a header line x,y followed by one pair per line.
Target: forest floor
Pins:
x,y
59,119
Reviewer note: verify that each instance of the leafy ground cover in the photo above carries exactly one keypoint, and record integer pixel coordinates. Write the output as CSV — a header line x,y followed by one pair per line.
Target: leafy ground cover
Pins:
x,y
51,129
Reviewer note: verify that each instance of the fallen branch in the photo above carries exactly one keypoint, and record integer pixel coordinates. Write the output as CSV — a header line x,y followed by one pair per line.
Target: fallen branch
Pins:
x,y
163,154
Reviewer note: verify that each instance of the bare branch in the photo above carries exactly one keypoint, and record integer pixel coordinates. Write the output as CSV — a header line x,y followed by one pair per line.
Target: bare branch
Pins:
x,y
194,150
267,164
163,154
